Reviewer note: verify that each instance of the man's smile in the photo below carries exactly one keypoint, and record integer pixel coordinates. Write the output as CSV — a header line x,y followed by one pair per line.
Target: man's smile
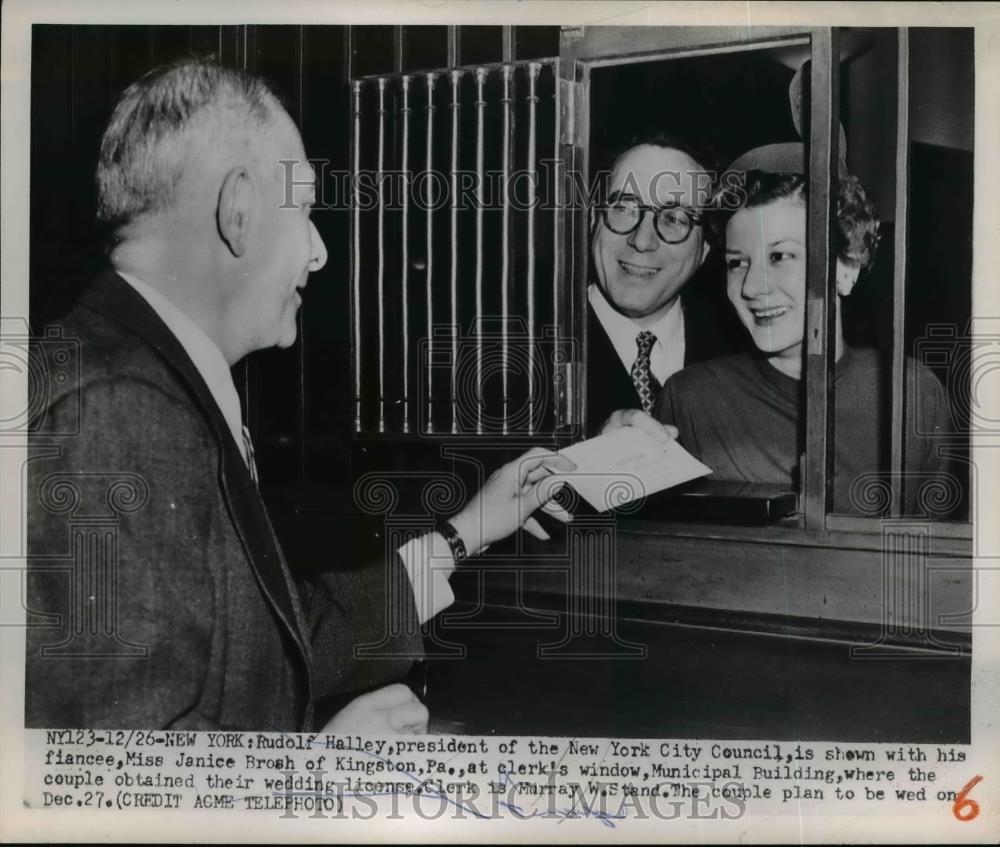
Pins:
x,y
637,270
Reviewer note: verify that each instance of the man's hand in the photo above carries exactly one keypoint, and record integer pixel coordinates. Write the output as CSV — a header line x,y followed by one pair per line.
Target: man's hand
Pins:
x,y
393,710
509,497
664,433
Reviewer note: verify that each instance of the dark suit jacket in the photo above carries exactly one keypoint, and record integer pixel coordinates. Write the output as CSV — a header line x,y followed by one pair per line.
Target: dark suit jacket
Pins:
x,y
710,330
157,588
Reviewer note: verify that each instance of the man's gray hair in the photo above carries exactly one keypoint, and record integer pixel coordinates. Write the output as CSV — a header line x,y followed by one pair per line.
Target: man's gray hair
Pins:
x,y
148,142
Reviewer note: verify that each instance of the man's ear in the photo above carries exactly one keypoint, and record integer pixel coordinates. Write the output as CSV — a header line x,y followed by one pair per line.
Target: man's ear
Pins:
x,y
847,276
706,248
233,212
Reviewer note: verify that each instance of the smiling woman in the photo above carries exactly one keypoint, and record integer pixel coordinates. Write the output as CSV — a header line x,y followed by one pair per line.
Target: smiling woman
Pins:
x,y
741,414
766,258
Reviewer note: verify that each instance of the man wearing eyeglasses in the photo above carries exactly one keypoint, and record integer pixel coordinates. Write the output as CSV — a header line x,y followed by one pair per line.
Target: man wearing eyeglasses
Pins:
x,y
648,241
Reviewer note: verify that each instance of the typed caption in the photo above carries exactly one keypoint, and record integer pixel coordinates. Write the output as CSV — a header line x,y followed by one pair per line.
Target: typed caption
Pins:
x,y
607,781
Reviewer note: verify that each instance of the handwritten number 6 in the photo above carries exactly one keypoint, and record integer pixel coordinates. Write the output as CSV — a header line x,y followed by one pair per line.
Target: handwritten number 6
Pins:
x,y
965,808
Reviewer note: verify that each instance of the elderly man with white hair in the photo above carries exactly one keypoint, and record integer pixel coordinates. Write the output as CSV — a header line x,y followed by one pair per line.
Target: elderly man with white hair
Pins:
x,y
179,610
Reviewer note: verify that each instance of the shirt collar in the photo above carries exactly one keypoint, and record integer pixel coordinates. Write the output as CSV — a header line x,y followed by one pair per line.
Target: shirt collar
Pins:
x,y
204,353
623,330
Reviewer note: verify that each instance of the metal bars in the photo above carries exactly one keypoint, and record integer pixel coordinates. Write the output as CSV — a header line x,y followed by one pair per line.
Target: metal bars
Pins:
x,y
429,261
456,77
533,69
480,180
381,256
506,102
405,247
356,248
467,360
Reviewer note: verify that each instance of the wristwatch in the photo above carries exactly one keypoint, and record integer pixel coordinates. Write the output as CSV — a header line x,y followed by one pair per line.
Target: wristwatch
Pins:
x,y
455,542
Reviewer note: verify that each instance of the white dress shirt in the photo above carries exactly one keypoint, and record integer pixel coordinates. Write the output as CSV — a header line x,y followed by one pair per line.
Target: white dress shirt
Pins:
x,y
667,355
427,559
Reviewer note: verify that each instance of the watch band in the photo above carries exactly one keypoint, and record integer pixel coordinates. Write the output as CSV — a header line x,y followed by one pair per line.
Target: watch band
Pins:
x,y
454,540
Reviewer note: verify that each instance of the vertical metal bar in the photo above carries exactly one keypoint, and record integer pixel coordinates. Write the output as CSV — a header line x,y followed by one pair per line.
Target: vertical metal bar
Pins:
x,y
405,249
898,398
456,77
480,203
398,47
356,255
533,69
576,156
429,167
562,390
572,227
507,54
381,255
821,284
507,156
454,46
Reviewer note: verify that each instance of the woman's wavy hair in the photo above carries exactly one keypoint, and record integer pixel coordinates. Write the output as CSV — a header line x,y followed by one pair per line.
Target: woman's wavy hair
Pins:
x,y
857,219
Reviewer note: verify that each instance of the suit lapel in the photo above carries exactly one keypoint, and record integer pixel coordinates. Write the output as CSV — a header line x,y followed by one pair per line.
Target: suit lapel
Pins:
x,y
117,300
609,385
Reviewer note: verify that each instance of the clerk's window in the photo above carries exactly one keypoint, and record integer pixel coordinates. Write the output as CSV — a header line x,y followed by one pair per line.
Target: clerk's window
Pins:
x,y
708,296
806,328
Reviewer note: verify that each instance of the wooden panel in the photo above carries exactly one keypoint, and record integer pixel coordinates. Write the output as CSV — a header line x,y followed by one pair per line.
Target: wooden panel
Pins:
x,y
817,475
613,43
821,583
694,683
900,244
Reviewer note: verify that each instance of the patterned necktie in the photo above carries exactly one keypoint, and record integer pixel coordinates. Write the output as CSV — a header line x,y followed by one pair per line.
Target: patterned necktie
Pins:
x,y
645,383
249,455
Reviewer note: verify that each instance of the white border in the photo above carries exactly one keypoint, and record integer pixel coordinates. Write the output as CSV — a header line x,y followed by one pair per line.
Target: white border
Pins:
x,y
18,823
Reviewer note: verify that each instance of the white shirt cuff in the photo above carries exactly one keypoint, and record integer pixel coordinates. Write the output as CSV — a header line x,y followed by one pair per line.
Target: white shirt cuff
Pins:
x,y
429,563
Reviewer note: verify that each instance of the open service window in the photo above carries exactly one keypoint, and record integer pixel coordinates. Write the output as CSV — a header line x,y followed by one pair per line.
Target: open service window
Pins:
x,y
896,443
818,229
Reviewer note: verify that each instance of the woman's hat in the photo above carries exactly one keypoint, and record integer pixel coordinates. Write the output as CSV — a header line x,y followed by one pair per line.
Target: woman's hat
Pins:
x,y
785,158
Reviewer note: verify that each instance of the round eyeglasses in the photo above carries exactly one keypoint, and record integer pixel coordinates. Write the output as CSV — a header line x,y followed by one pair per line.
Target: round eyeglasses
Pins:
x,y
673,224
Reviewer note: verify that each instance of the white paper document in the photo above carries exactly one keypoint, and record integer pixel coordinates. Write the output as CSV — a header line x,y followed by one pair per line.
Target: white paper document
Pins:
x,y
621,466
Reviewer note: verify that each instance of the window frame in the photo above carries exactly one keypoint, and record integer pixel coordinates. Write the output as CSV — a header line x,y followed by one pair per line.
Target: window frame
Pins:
x,y
585,49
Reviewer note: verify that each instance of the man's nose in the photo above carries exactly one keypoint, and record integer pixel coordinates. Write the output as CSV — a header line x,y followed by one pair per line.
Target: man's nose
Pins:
x,y
644,238
318,249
